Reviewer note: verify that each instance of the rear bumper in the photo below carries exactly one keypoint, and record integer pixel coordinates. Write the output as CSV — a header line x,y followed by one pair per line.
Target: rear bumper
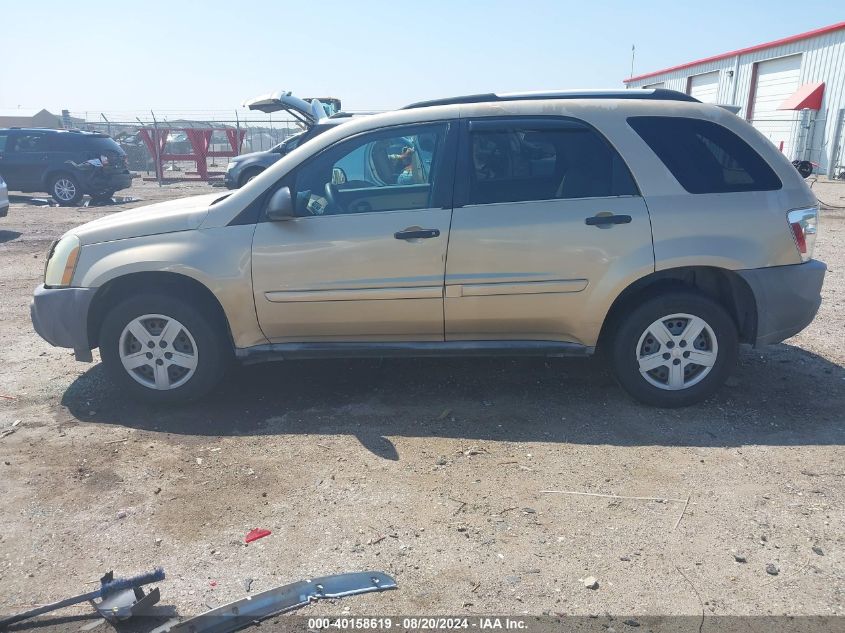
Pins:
x,y
108,181
60,317
788,298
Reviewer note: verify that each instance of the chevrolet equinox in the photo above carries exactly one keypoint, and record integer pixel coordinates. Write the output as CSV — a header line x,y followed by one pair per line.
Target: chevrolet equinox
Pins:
x,y
661,230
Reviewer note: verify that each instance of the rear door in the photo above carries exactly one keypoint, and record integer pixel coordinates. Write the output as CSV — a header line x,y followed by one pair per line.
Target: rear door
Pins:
x,y
547,225
365,258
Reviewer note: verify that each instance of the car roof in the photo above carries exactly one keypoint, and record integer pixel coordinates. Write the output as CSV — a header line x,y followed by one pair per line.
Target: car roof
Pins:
x,y
47,130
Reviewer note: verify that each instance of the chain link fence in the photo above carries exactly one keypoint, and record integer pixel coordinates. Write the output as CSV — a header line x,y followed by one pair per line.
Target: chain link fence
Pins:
x,y
217,134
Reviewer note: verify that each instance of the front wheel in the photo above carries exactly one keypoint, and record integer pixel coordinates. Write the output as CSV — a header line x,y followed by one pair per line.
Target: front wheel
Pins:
x,y
249,175
675,349
161,349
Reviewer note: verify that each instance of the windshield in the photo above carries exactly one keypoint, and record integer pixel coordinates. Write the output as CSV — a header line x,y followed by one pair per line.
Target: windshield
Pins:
x,y
289,144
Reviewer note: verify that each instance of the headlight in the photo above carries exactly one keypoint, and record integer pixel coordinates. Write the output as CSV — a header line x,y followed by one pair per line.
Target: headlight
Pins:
x,y
62,262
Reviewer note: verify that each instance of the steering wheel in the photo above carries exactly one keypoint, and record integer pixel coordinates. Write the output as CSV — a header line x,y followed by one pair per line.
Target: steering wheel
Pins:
x,y
331,196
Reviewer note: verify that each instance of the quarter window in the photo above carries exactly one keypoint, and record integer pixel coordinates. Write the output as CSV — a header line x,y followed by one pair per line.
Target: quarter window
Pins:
x,y
381,171
514,163
705,157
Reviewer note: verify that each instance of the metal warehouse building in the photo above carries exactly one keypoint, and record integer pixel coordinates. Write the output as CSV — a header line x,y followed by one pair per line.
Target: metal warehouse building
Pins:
x,y
792,90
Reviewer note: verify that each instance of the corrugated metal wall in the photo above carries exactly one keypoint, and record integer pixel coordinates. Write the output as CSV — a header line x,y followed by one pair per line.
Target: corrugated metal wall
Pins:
x,y
823,59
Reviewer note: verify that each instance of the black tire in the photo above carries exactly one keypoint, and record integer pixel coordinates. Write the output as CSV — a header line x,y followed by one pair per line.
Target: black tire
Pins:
x,y
248,175
630,328
61,185
102,196
213,350
805,168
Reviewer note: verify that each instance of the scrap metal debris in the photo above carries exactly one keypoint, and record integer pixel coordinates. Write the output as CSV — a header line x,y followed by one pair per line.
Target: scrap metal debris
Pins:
x,y
119,598
260,606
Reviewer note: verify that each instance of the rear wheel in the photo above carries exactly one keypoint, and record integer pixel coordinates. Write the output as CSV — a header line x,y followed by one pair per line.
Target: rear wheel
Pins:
x,y
161,349
674,350
65,190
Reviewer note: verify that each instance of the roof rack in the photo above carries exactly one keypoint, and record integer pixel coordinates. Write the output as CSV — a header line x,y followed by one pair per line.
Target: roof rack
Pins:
x,y
657,94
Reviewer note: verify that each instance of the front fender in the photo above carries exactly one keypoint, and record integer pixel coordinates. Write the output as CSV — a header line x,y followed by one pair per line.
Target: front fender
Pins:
x,y
218,258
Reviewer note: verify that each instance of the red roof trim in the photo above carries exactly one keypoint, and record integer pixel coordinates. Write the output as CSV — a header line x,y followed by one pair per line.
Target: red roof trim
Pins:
x,y
742,51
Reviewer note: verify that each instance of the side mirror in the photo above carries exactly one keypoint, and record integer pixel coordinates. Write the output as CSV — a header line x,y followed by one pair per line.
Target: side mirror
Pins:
x,y
281,206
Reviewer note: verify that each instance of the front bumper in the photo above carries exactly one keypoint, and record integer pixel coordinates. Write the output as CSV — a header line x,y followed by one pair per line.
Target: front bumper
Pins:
x,y
787,297
60,317
231,178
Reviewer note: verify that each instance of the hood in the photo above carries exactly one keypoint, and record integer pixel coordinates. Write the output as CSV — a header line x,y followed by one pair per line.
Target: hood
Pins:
x,y
250,155
183,214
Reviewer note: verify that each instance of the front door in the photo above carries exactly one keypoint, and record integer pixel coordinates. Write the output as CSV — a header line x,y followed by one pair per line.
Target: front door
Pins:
x,y
365,257
25,160
547,225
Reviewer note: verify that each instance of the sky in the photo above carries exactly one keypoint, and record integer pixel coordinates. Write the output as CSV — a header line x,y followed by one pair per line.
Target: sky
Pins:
x,y
126,58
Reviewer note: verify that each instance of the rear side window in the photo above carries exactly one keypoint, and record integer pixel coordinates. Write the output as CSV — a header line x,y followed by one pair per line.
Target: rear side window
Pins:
x,y
63,142
519,161
705,157
102,144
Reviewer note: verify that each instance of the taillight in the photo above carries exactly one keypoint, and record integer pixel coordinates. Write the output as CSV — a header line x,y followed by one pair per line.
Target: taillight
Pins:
x,y
804,224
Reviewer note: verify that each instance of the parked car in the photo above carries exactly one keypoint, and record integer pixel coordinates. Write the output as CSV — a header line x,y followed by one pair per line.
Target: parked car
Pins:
x,y
662,230
311,115
4,198
67,164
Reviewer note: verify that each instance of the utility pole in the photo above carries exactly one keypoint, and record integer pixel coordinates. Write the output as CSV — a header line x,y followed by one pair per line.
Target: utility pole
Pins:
x,y
633,50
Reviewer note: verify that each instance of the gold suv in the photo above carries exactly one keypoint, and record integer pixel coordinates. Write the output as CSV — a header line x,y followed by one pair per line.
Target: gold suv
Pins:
x,y
663,230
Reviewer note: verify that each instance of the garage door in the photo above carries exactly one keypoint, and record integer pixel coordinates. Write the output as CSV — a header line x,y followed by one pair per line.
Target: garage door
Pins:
x,y
705,87
777,79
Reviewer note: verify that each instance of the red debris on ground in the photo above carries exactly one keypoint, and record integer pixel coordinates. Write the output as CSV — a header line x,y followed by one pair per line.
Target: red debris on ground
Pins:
x,y
255,534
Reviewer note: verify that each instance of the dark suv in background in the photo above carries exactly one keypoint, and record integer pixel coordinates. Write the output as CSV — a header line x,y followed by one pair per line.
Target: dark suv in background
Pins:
x,y
67,164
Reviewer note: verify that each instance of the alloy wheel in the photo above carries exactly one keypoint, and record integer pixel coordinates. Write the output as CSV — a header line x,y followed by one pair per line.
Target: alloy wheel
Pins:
x,y
64,189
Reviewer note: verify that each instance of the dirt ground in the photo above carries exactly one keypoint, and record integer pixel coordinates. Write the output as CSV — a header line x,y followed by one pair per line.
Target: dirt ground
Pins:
x,y
430,470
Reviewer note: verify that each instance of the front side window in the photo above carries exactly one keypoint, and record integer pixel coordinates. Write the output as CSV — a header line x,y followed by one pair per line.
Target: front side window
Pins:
x,y
518,162
705,157
379,171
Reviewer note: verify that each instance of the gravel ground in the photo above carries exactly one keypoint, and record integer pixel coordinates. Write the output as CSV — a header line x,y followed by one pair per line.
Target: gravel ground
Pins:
x,y
430,470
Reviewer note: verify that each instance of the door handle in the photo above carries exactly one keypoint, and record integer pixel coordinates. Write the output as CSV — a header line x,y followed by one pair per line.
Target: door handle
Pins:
x,y
606,220
417,234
